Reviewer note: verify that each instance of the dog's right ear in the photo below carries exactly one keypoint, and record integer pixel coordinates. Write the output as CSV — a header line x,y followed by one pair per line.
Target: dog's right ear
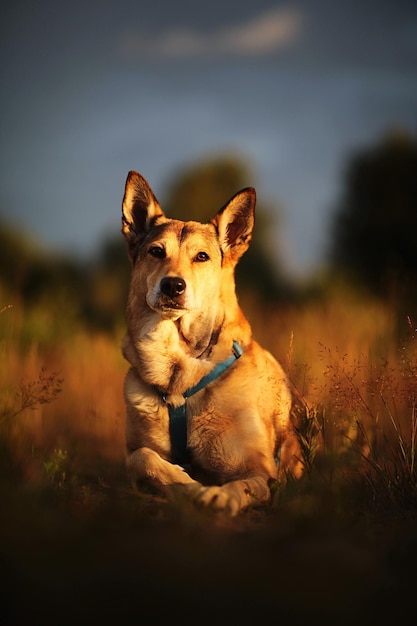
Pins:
x,y
140,210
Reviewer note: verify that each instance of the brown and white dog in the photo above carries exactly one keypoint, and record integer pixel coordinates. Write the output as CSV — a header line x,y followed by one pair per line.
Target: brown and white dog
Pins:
x,y
192,354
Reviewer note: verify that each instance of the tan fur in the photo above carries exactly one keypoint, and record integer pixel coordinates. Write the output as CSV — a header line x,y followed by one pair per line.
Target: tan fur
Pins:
x,y
235,424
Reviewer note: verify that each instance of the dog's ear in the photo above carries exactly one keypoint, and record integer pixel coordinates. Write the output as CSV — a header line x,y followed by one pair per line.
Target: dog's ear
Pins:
x,y
140,210
234,222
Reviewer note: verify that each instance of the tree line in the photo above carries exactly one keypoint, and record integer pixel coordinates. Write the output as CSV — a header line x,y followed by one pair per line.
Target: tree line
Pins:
x,y
372,235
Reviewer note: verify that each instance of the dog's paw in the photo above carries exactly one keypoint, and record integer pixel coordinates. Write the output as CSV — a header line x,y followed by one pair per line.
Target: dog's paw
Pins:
x,y
222,499
183,494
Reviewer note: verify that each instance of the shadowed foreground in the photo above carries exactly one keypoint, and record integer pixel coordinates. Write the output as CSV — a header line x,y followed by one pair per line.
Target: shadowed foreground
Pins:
x,y
97,551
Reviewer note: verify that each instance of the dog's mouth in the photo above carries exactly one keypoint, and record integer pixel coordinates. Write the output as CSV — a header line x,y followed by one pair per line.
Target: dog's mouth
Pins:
x,y
172,305
169,307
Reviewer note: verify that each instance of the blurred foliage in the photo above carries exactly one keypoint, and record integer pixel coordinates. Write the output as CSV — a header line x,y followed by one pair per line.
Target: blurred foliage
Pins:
x,y
109,276
59,292
373,243
201,190
375,225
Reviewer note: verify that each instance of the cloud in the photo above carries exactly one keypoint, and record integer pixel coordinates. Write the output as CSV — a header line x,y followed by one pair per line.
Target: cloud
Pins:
x,y
260,36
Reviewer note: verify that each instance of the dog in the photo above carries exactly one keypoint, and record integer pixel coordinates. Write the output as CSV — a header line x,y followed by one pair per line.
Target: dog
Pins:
x,y
208,409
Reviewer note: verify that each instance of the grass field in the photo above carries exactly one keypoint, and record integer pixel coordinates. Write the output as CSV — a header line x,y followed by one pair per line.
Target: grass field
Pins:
x,y
78,543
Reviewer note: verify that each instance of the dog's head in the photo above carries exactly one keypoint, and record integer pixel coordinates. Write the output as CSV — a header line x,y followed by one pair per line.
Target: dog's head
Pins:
x,y
178,265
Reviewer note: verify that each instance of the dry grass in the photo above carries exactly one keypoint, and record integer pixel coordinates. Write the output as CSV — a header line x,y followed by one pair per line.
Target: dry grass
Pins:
x,y
63,395
345,361
75,532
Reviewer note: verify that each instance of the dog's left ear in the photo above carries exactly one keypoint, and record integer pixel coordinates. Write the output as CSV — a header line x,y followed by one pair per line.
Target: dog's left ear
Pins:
x,y
234,222
140,210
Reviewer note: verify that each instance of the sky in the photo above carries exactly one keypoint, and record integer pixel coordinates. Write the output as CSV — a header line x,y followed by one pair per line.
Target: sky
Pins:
x,y
93,89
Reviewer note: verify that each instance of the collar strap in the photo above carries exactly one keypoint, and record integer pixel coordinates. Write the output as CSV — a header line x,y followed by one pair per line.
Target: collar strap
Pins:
x,y
178,415
217,371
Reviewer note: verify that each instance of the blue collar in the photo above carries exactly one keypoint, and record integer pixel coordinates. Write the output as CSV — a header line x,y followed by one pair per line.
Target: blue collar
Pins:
x,y
178,415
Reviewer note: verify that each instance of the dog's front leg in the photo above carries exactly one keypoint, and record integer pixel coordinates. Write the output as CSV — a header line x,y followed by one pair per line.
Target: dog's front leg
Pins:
x,y
146,464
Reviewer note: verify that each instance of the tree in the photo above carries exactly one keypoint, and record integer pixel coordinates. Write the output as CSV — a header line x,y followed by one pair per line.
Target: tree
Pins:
x,y
200,191
68,289
375,225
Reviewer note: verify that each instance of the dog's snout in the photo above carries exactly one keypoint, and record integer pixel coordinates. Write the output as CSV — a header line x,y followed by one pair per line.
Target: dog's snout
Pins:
x,y
172,286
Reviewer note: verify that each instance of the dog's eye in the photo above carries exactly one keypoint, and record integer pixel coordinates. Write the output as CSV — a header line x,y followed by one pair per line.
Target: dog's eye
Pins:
x,y
201,257
157,251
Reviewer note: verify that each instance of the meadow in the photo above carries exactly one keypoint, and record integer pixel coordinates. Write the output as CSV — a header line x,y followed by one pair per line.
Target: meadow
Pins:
x,y
78,542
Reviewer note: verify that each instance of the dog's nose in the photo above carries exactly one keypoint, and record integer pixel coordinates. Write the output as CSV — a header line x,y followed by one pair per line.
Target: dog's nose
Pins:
x,y
172,286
